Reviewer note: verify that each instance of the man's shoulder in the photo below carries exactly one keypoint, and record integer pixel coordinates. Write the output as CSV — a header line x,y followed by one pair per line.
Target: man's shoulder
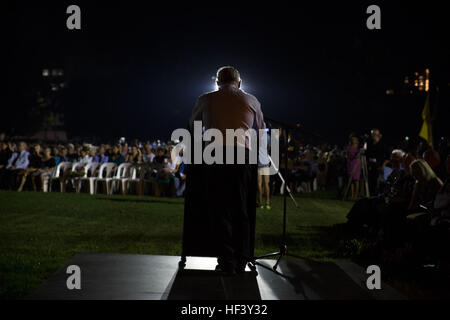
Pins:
x,y
206,95
251,99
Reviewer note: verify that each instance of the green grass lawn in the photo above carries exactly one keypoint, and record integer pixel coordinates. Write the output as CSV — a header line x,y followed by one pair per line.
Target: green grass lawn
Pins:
x,y
40,232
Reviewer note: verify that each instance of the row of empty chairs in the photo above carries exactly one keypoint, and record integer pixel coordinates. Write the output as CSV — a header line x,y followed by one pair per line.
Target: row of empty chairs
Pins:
x,y
115,178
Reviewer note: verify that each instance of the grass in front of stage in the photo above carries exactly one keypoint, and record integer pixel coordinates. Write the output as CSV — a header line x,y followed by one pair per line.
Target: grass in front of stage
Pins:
x,y
40,232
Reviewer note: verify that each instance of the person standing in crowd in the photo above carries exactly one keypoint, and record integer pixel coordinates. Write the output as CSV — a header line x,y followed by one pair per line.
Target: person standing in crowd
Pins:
x,y
353,164
263,174
377,157
322,170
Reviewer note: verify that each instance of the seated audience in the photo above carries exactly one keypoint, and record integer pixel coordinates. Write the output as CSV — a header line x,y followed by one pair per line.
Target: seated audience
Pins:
x,y
63,155
148,155
101,157
35,163
78,150
426,187
433,158
160,157
16,166
134,156
116,156
431,230
45,171
72,156
90,157
124,149
387,212
55,152
5,154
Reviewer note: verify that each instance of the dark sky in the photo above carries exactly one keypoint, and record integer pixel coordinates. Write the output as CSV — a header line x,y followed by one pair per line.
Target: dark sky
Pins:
x,y
136,68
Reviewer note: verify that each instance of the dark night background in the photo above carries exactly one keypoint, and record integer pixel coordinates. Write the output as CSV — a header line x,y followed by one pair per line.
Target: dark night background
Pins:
x,y
135,68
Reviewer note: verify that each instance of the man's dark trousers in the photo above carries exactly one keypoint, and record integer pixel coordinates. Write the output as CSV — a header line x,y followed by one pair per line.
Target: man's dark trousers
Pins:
x,y
231,195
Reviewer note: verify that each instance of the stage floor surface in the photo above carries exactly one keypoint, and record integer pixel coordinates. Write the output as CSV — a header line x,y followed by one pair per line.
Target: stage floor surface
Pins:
x,y
154,277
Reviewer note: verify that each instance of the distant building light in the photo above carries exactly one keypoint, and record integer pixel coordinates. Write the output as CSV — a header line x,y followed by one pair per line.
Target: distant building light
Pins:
x,y
427,80
389,92
45,73
406,138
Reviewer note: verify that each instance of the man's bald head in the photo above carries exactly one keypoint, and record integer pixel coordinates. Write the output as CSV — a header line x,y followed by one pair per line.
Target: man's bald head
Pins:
x,y
228,75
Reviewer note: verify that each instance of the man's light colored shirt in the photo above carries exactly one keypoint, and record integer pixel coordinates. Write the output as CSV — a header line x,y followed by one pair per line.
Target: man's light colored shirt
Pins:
x,y
148,158
228,108
22,162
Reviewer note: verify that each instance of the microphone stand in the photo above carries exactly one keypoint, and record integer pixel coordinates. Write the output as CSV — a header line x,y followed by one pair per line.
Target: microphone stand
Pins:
x,y
283,251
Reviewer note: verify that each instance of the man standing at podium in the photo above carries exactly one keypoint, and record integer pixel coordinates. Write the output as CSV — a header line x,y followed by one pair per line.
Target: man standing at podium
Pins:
x,y
231,187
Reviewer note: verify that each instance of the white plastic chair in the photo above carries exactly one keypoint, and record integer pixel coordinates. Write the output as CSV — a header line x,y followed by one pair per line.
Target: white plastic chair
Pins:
x,y
77,165
92,166
121,177
138,175
105,174
134,177
59,175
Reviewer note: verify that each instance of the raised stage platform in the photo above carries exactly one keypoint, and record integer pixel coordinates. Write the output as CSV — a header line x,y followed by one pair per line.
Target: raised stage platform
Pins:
x,y
123,276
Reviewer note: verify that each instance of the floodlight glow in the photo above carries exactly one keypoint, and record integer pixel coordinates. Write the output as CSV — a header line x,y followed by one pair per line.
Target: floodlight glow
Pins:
x,y
216,87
